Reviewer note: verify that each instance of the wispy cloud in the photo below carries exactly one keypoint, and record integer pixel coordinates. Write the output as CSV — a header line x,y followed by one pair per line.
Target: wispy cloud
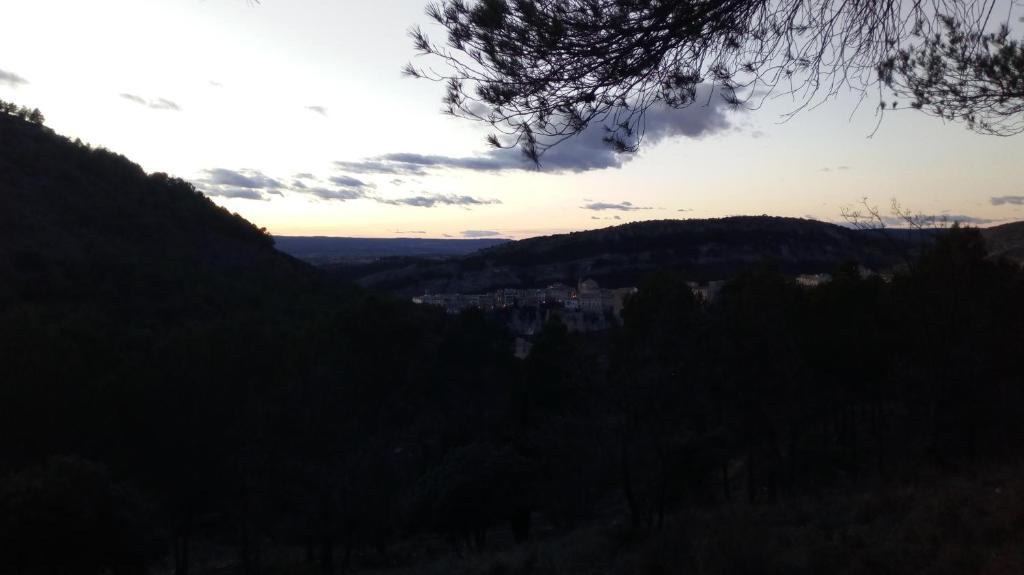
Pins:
x,y
835,169
621,207
252,179
927,220
433,200
966,219
241,184
409,164
350,182
164,104
476,234
1008,200
255,185
341,194
136,99
157,104
318,110
11,79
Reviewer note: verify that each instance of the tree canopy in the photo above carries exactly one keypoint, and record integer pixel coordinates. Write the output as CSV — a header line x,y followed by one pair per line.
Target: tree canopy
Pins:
x,y
540,71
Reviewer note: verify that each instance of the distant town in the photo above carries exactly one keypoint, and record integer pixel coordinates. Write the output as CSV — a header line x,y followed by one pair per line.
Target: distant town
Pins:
x,y
586,298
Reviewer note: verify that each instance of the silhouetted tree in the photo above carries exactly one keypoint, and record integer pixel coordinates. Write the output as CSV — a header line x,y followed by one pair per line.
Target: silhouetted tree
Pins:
x,y
540,71
961,73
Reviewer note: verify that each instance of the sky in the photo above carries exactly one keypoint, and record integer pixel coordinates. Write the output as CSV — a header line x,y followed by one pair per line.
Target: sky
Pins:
x,y
295,114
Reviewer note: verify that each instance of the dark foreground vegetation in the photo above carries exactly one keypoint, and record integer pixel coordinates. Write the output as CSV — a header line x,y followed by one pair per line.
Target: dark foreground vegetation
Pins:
x,y
177,396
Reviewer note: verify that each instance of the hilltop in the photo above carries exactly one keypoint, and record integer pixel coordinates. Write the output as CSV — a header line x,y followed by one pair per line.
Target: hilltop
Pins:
x,y
622,255
331,251
85,225
1006,241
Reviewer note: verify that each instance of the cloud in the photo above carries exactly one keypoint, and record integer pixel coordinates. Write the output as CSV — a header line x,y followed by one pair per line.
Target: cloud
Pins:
x,y
318,110
709,115
243,184
621,207
11,79
405,232
585,152
476,234
1008,200
410,164
251,179
434,200
966,219
379,165
237,193
340,194
685,210
164,104
837,169
255,185
158,104
350,182
928,220
447,236
136,99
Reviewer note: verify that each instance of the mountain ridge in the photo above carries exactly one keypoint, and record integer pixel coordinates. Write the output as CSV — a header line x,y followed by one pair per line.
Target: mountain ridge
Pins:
x,y
708,249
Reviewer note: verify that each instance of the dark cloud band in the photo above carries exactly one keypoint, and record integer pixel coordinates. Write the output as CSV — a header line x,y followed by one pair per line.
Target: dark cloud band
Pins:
x,y
585,152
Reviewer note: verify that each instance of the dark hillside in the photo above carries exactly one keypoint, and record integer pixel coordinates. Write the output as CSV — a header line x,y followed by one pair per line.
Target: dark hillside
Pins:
x,y
82,224
1006,241
624,255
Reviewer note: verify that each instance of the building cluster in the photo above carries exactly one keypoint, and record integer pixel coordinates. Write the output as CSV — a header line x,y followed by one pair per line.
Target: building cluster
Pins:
x,y
813,280
587,297
585,308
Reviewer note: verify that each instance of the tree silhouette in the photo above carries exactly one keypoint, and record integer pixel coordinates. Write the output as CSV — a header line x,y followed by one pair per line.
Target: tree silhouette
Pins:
x,y
539,71
960,73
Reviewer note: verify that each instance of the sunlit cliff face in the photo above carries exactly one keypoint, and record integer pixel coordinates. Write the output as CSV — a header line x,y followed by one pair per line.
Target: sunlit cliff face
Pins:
x,y
296,116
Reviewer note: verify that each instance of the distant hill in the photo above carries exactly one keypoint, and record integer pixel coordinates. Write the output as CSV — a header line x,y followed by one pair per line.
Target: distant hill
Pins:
x,y
320,250
1006,241
623,255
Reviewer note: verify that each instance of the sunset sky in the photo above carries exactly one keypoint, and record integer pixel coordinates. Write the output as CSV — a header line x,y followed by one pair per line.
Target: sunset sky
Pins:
x,y
294,113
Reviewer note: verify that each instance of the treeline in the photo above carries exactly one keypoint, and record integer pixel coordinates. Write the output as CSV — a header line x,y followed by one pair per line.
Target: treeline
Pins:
x,y
33,115
326,429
